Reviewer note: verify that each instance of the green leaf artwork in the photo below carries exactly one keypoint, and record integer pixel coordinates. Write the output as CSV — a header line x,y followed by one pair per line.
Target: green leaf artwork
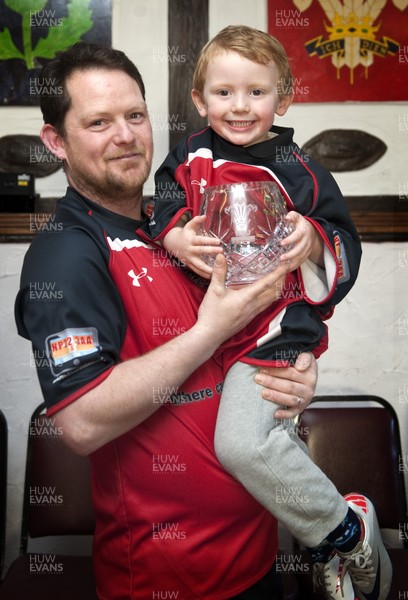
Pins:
x,y
60,36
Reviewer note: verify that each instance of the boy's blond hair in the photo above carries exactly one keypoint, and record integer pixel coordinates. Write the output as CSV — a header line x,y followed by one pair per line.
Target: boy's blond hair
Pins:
x,y
253,44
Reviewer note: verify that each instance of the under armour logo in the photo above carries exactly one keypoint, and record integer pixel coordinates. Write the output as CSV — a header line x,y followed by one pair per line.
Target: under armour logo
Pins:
x,y
200,183
143,273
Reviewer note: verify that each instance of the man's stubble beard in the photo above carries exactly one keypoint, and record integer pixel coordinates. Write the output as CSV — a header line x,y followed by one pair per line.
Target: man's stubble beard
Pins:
x,y
112,188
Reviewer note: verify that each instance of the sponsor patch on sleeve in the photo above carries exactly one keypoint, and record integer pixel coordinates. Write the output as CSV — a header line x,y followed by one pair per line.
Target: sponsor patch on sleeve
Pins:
x,y
344,271
70,349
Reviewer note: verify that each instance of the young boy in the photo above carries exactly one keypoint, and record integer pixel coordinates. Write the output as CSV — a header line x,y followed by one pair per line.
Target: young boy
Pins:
x,y
242,79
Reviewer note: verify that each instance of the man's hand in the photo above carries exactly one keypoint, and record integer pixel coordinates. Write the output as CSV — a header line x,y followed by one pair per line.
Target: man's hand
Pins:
x,y
225,311
287,385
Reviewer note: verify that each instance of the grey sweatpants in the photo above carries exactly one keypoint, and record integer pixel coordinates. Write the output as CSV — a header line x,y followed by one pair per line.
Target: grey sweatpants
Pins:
x,y
271,462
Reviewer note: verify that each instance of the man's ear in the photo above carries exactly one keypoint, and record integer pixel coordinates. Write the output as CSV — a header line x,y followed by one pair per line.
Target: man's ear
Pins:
x,y
53,141
283,105
199,103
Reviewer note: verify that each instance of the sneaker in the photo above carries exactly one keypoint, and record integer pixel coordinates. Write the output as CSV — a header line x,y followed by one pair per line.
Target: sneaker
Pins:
x,y
331,581
368,564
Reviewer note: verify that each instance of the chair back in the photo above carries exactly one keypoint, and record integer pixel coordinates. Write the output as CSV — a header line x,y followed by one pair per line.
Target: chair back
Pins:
x,y
359,449
57,494
3,486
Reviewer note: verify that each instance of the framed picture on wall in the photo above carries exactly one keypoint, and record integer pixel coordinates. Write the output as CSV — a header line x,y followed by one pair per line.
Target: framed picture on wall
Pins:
x,y
32,31
343,50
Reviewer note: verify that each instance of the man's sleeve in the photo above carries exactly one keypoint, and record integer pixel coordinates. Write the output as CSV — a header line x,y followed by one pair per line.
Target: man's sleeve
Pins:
x,y
70,310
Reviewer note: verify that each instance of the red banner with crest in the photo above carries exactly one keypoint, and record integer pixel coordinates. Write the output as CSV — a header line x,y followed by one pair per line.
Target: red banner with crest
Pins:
x,y
344,50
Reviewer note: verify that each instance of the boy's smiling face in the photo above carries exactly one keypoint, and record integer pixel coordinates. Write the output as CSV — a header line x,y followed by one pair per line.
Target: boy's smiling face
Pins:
x,y
240,98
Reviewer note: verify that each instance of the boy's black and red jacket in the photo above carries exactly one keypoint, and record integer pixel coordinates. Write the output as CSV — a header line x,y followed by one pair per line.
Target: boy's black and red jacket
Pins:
x,y
294,323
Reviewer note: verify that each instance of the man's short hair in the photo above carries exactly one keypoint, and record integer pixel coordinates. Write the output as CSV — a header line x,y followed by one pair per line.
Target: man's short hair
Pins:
x,y
54,98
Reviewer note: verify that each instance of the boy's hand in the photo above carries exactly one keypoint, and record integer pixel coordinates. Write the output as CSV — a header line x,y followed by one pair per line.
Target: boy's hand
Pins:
x,y
187,246
306,243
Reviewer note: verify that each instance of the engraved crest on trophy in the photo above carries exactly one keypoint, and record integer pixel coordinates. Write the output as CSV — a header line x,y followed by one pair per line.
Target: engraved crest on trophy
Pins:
x,y
249,220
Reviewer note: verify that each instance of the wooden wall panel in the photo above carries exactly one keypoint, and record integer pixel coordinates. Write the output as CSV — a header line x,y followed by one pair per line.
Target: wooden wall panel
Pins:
x,y
188,32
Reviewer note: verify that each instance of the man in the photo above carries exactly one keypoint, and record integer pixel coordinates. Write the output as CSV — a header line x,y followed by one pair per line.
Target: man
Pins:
x,y
130,378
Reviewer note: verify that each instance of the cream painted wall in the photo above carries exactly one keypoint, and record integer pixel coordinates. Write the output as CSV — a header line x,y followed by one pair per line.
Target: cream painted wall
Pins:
x,y
369,332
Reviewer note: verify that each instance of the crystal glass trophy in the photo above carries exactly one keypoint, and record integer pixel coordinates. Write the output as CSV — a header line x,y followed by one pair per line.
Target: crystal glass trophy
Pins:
x,y
249,220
